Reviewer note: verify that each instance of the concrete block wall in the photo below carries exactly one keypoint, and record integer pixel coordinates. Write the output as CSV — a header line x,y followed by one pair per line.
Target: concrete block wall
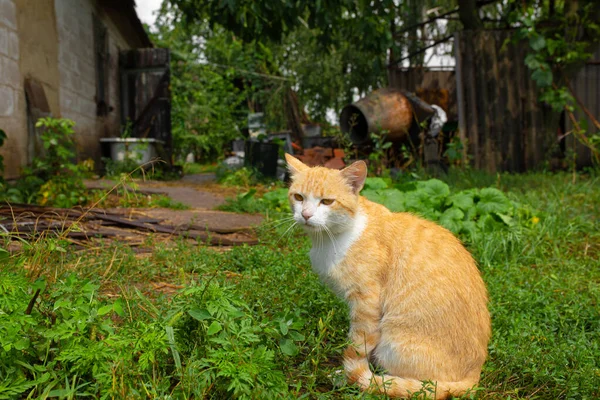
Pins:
x,y
52,41
76,61
12,97
74,20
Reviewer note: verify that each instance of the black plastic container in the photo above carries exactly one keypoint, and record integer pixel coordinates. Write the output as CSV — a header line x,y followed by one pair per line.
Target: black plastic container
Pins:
x,y
262,157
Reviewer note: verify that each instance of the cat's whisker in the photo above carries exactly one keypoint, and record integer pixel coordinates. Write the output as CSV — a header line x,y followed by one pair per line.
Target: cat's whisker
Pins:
x,y
289,229
277,223
330,234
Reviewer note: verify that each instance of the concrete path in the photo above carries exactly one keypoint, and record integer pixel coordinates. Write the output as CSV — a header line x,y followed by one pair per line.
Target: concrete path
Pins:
x,y
195,191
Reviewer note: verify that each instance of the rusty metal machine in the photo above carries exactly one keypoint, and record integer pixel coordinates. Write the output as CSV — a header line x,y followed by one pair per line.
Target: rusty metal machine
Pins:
x,y
387,109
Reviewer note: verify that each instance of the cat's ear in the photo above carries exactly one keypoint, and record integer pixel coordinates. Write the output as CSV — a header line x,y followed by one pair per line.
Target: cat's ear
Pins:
x,y
295,165
355,174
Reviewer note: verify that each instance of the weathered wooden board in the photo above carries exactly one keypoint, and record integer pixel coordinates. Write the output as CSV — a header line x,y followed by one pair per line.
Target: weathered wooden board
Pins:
x,y
30,221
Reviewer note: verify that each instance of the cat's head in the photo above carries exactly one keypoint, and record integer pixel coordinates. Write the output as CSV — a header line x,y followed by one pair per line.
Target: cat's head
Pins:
x,y
325,198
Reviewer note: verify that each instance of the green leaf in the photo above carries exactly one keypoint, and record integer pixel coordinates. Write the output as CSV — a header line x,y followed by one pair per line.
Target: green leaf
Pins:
x,y
288,347
543,77
462,200
40,284
507,219
375,184
215,327
487,223
537,42
453,213
296,336
199,314
532,61
469,228
552,45
248,195
413,201
375,196
434,188
283,327
59,393
393,199
118,308
492,200
105,309
451,219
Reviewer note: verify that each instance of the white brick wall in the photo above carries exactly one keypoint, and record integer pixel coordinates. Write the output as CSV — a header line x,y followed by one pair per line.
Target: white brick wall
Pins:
x,y
76,62
7,102
76,78
12,99
8,14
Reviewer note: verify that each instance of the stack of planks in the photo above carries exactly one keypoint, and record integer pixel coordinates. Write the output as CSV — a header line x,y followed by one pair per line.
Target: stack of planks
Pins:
x,y
27,221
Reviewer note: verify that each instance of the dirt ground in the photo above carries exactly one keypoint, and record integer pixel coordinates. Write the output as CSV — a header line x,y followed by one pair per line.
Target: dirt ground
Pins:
x,y
197,191
200,223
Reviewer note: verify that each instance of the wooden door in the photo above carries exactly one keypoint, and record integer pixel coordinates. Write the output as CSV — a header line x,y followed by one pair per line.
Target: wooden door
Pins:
x,y
146,97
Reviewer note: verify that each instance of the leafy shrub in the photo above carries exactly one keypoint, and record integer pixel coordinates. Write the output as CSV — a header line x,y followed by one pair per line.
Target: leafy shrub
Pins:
x,y
275,201
243,177
64,332
53,179
231,351
468,212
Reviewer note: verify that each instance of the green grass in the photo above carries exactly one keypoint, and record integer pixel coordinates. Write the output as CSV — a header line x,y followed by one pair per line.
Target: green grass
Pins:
x,y
195,168
254,322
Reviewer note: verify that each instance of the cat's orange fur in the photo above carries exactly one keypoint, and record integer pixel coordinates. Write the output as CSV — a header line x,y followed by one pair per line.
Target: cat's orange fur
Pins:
x,y
418,305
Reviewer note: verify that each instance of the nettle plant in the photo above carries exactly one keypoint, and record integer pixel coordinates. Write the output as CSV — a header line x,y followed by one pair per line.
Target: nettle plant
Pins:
x,y
54,178
468,213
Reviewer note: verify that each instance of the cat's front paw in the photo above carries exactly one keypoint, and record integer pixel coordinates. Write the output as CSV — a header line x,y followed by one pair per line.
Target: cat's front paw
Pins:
x,y
358,371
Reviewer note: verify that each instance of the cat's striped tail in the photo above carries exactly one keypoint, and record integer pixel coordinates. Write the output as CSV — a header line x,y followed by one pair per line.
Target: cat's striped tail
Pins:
x,y
358,372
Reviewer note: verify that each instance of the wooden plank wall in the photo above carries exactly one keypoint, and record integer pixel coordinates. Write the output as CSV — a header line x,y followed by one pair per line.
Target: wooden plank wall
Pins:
x,y
505,126
586,86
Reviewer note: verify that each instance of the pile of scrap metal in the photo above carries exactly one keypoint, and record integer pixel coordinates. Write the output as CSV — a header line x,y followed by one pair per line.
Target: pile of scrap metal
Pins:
x,y
323,156
398,113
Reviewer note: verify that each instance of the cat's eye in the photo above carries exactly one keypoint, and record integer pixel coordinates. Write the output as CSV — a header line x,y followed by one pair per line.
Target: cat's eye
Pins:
x,y
327,202
298,197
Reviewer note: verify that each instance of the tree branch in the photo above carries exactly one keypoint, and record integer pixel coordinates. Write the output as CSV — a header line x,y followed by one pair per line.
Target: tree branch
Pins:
x,y
421,50
480,3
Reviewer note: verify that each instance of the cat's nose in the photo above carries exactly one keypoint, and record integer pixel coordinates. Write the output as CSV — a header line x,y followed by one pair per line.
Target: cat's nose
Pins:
x,y
306,214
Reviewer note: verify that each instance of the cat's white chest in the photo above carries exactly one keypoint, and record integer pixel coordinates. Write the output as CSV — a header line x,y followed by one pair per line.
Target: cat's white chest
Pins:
x,y
327,252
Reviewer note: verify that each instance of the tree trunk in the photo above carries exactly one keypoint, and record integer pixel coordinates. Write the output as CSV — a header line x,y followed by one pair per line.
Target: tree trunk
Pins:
x,y
469,17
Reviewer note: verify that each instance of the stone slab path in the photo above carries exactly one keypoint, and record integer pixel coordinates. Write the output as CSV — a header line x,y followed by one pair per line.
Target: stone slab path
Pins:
x,y
194,192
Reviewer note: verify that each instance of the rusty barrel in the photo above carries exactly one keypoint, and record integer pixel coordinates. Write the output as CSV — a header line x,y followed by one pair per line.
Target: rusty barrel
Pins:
x,y
387,109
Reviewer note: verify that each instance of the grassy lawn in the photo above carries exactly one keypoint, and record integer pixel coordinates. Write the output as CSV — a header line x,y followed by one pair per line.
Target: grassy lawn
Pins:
x,y
188,321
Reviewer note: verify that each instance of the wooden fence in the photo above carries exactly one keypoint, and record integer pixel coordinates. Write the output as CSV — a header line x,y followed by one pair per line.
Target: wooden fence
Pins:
x,y
500,117
496,103
586,86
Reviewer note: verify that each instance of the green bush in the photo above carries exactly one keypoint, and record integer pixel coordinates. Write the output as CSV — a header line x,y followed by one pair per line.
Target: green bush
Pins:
x,y
468,212
54,178
275,202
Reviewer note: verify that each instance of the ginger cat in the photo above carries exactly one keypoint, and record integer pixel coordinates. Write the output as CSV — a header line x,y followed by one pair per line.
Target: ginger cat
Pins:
x,y
418,305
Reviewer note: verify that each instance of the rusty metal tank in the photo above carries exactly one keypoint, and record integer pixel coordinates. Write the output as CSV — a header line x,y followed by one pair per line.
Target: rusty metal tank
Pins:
x,y
386,109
